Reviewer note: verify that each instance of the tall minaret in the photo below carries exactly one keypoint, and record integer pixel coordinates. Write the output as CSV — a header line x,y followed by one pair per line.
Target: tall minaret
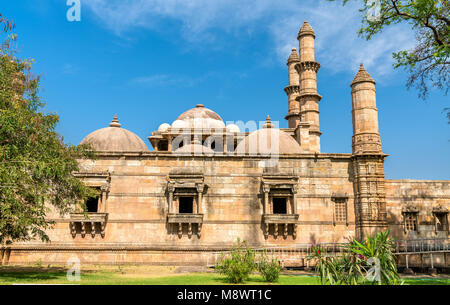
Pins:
x,y
293,90
368,158
366,136
308,98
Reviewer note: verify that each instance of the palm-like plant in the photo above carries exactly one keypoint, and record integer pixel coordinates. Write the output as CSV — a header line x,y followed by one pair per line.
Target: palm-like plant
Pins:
x,y
369,262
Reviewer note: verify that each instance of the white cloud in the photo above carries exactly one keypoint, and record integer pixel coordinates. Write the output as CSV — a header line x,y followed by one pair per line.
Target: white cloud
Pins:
x,y
164,80
338,47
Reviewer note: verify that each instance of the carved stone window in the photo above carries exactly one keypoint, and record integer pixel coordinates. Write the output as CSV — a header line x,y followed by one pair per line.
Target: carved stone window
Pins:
x,y
93,203
410,222
185,205
279,207
340,214
185,193
410,218
440,215
94,219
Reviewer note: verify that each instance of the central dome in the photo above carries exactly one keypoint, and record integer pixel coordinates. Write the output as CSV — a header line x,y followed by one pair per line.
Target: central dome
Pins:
x,y
199,117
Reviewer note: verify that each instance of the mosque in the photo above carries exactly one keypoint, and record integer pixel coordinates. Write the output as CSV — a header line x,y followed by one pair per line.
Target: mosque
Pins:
x,y
205,184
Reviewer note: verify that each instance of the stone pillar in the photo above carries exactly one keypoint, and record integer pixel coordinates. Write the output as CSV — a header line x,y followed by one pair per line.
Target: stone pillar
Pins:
x,y
104,191
200,188
170,190
368,158
294,205
169,143
293,90
266,190
308,97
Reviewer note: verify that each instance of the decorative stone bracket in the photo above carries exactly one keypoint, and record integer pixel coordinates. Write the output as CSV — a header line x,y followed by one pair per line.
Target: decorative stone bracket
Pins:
x,y
89,218
189,219
280,221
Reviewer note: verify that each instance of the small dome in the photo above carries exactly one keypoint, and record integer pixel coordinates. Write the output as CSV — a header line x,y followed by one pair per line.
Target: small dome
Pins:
x,y
306,29
200,117
261,142
233,128
362,76
178,124
115,139
293,57
194,148
163,127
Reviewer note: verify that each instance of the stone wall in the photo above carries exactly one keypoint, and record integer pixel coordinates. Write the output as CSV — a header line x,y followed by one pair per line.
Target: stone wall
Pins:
x,y
232,204
424,195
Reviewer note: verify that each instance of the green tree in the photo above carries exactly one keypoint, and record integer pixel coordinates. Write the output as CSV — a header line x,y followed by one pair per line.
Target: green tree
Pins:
x,y
35,165
8,25
428,62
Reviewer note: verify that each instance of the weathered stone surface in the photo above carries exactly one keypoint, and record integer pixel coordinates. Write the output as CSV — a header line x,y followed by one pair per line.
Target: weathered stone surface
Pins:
x,y
235,196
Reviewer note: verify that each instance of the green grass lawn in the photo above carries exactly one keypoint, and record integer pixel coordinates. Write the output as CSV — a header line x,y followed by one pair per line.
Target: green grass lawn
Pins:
x,y
96,277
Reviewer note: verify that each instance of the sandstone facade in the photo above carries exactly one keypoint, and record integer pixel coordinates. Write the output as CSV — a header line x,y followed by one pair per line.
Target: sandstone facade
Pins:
x,y
195,194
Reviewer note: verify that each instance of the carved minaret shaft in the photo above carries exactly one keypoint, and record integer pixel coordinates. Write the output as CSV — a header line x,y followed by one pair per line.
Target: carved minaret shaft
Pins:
x,y
308,97
368,158
293,90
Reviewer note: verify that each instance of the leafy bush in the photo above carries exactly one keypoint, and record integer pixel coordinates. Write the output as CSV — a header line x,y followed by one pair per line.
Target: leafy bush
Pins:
x,y
238,264
270,270
368,262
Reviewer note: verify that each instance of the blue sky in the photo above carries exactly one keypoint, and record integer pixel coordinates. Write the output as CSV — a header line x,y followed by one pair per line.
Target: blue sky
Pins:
x,y
150,60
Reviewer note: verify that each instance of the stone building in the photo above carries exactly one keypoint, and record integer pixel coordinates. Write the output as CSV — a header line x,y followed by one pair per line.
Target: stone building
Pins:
x,y
205,184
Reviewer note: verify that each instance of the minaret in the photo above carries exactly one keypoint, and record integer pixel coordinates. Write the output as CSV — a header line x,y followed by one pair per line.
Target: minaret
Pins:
x,y
366,137
293,90
308,97
368,158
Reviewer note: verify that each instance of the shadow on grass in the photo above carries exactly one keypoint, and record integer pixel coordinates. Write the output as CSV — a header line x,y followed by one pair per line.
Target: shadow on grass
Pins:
x,y
30,276
426,281
18,274
252,280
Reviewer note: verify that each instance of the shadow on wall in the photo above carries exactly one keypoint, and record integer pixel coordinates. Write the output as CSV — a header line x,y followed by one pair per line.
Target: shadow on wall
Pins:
x,y
395,225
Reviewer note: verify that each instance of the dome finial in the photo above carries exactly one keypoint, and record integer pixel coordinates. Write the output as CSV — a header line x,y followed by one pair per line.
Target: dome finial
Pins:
x,y
268,123
115,122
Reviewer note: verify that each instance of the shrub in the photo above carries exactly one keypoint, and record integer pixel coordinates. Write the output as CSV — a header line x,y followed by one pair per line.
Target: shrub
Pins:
x,y
270,270
368,262
238,264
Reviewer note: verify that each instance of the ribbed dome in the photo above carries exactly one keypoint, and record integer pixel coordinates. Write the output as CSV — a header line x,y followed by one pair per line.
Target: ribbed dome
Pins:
x,y
114,139
261,141
199,117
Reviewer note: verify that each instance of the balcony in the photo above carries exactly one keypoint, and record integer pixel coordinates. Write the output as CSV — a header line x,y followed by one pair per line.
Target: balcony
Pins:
x,y
88,220
186,218
280,220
